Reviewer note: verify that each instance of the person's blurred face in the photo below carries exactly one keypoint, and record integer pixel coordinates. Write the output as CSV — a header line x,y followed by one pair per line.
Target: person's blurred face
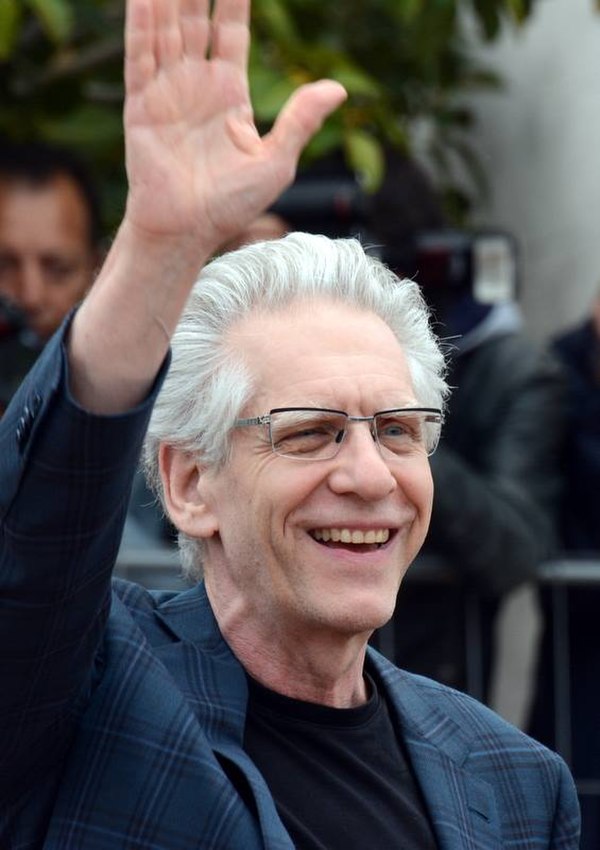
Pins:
x,y
596,315
47,260
274,558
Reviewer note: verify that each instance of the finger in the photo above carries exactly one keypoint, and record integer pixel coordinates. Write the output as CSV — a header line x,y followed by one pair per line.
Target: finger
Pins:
x,y
302,116
230,37
195,28
232,11
140,63
168,42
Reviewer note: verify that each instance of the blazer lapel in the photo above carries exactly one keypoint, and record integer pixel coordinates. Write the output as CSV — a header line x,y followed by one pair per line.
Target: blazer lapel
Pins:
x,y
462,807
214,684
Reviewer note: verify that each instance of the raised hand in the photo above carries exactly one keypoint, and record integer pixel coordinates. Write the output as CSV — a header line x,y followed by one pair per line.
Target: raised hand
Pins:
x,y
198,174
195,162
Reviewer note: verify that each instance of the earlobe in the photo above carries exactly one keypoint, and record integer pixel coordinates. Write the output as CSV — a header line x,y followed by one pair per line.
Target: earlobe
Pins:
x,y
187,499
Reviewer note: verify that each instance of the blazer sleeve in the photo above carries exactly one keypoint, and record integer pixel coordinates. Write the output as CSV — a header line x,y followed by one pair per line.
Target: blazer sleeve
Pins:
x,y
566,826
65,478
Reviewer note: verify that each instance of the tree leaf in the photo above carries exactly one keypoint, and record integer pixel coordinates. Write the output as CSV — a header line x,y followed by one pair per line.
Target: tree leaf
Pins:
x,y
355,80
10,18
90,126
365,156
329,138
56,16
268,102
489,17
274,15
408,10
517,9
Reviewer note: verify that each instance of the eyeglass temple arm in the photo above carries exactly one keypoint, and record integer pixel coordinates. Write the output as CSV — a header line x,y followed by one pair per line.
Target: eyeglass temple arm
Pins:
x,y
254,420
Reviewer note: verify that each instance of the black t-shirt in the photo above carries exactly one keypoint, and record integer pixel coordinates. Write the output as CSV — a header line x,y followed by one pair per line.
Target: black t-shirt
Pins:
x,y
340,778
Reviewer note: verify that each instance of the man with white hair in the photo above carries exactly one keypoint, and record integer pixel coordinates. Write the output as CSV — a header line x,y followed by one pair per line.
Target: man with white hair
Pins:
x,y
289,444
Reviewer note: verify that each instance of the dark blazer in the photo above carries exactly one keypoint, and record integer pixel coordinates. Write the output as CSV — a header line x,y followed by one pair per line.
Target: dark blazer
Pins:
x,y
122,712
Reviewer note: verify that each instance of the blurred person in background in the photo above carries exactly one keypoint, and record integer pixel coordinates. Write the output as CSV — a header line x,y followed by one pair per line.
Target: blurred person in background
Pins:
x,y
50,231
579,352
50,251
578,349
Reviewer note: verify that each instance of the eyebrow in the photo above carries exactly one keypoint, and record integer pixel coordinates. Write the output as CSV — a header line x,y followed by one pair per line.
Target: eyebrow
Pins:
x,y
333,405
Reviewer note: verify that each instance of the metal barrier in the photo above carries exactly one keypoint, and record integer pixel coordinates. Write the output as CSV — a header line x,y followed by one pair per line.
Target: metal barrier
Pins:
x,y
561,575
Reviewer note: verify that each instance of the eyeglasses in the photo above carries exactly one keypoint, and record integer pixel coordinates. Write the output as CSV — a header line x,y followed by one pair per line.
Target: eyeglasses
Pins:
x,y
315,433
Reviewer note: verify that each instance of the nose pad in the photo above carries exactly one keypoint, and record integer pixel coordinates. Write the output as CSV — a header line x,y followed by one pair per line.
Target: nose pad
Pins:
x,y
360,467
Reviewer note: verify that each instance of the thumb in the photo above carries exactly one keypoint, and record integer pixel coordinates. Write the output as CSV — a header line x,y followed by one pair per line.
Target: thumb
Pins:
x,y
303,115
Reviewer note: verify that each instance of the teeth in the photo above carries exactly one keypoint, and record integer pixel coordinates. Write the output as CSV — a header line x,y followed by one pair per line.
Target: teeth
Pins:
x,y
345,535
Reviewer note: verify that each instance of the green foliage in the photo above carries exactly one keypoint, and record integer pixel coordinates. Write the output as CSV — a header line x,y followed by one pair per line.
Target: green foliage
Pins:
x,y
61,80
404,62
55,16
10,18
406,66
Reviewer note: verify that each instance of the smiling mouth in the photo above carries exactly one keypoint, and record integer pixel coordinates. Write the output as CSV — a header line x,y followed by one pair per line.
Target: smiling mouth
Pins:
x,y
352,539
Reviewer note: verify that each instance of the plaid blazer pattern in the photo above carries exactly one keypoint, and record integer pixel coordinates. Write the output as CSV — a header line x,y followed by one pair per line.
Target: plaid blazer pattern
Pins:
x,y
122,712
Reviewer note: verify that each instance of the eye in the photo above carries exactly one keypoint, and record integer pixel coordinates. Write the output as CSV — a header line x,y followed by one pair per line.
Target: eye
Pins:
x,y
59,269
400,431
8,263
295,434
394,429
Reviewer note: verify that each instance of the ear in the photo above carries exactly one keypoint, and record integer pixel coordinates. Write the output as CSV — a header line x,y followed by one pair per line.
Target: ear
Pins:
x,y
184,481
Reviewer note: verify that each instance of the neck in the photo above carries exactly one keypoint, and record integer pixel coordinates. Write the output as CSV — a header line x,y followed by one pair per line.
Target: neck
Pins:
x,y
313,665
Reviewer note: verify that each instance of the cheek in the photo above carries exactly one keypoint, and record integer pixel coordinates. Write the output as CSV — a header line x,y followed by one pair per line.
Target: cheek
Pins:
x,y
256,504
64,297
418,488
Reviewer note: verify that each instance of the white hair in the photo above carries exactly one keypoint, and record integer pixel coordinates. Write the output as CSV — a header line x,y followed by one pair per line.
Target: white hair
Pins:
x,y
208,383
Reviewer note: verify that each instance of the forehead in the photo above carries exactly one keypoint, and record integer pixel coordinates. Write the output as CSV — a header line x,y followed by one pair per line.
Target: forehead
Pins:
x,y
47,216
323,353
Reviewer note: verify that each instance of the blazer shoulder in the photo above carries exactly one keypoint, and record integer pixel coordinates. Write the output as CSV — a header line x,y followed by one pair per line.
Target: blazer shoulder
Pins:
x,y
465,754
425,706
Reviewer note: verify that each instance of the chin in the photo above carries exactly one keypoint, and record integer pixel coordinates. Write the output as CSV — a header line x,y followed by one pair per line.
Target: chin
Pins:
x,y
362,615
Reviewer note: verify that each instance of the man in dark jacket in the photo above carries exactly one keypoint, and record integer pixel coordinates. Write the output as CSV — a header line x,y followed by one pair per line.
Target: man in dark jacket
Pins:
x,y
579,352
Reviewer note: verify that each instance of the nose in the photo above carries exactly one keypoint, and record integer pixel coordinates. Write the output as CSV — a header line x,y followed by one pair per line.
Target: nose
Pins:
x,y
359,466
30,292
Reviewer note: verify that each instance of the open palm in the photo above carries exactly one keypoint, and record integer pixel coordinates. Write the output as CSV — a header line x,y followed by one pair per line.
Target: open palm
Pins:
x,y
195,161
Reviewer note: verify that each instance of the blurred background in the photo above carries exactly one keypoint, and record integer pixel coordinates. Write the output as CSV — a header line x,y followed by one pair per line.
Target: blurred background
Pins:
x,y
497,98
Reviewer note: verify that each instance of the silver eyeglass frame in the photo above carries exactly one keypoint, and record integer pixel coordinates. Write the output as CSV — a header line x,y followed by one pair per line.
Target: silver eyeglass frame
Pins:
x,y
265,419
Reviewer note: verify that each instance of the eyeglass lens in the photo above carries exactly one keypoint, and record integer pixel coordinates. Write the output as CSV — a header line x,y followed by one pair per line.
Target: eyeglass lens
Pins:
x,y
317,434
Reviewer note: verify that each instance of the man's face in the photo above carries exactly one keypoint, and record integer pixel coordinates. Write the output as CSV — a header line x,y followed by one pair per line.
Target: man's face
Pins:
x,y
46,259
264,567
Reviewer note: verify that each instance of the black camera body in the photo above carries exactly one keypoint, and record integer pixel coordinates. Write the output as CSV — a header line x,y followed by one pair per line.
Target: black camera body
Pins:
x,y
482,263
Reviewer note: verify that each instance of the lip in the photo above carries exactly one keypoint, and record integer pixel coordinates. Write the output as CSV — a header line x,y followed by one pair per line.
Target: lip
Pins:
x,y
358,525
355,536
357,553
